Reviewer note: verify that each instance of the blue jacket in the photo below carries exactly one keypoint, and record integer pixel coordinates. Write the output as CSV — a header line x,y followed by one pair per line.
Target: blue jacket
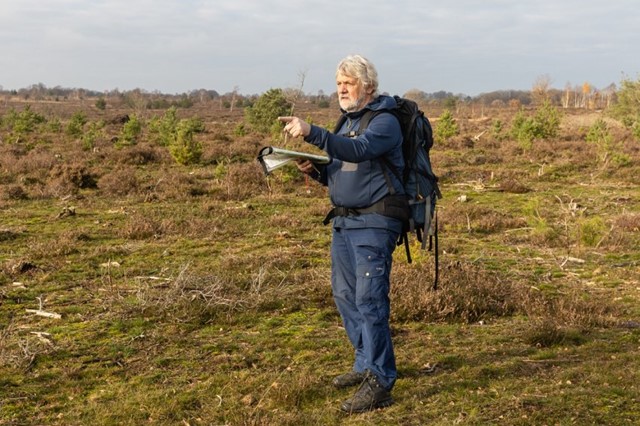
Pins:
x,y
354,176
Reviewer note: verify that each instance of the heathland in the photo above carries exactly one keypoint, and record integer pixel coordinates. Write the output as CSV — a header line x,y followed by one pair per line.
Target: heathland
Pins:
x,y
151,274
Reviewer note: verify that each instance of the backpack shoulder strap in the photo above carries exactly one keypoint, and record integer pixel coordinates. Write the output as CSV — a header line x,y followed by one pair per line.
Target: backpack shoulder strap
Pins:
x,y
366,119
339,123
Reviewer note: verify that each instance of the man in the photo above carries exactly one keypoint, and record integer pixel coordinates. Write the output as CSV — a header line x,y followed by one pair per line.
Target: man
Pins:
x,y
364,237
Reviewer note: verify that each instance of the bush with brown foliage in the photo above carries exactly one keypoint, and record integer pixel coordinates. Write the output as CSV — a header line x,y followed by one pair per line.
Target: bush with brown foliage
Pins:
x,y
122,181
140,154
13,192
466,293
69,178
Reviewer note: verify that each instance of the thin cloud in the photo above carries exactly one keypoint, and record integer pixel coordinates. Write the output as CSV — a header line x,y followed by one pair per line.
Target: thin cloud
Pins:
x,y
174,46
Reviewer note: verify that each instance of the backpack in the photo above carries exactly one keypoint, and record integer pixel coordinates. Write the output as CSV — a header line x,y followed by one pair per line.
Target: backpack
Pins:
x,y
419,181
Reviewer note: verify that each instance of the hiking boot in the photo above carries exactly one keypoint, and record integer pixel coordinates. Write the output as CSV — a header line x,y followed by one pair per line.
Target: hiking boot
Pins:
x,y
369,396
349,379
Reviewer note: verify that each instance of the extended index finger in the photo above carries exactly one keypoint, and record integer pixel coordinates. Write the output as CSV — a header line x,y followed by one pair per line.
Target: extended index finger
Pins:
x,y
285,119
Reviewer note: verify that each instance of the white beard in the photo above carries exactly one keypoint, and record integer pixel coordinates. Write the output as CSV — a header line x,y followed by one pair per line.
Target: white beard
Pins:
x,y
352,106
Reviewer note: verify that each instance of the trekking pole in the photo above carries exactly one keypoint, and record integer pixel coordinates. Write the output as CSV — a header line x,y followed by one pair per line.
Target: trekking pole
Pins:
x,y
435,247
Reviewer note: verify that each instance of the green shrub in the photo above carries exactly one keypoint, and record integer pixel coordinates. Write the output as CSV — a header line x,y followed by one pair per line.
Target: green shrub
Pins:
x,y
158,104
263,115
76,124
23,122
240,130
54,125
178,135
599,136
164,129
547,121
89,137
131,131
627,106
446,127
635,129
497,130
184,102
598,133
184,148
220,171
101,104
544,124
591,231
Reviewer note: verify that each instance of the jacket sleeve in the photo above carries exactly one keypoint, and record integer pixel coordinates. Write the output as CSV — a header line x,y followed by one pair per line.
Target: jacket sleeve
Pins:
x,y
381,136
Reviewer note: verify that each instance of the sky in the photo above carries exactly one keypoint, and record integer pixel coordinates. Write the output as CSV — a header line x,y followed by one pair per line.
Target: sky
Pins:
x,y
460,46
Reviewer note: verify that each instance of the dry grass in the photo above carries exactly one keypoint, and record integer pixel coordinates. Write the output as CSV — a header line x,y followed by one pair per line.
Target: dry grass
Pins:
x,y
467,294
200,295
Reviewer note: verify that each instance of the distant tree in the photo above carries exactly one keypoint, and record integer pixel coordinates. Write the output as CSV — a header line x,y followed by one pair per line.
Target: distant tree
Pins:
x,y
320,99
450,103
540,89
440,95
505,96
296,94
234,94
324,103
201,95
608,95
416,95
566,97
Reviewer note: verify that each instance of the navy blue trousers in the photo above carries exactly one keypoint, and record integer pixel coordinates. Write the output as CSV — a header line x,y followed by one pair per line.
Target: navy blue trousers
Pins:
x,y
361,266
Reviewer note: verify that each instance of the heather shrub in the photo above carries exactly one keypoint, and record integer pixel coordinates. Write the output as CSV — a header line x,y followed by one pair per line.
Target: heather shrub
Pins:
x,y
120,182
66,179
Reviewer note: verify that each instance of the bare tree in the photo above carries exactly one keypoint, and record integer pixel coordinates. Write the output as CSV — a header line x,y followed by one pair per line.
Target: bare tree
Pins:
x,y
540,89
293,95
568,90
233,97
586,95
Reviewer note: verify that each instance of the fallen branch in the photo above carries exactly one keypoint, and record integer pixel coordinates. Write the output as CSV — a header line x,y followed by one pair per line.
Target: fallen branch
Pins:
x,y
572,259
44,313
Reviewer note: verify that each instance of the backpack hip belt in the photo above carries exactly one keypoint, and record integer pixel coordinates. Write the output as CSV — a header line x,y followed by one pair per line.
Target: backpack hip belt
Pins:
x,y
395,206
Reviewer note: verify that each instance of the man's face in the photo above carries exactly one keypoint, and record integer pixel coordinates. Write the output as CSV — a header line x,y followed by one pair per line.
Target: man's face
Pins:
x,y
351,94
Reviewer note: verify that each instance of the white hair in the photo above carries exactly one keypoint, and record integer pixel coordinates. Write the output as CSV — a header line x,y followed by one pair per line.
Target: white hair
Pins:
x,y
361,69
